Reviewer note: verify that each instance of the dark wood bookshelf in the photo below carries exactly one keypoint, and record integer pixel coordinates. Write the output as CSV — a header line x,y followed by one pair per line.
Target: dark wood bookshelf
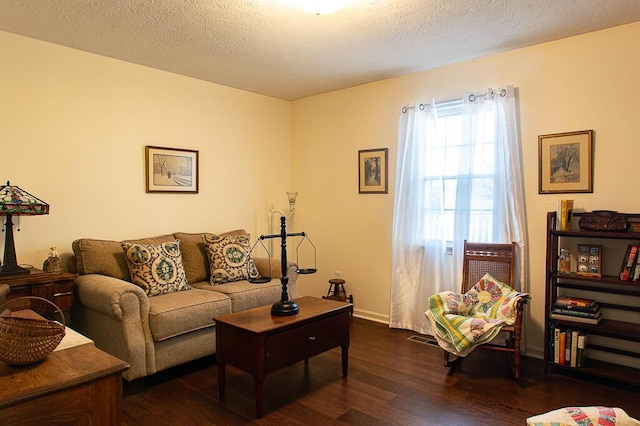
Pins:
x,y
605,284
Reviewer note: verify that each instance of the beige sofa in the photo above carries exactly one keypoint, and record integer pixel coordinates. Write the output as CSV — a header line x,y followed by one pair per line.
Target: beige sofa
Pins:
x,y
158,332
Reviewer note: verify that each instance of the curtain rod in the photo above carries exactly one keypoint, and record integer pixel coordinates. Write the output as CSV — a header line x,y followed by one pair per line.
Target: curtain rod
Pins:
x,y
472,98
492,94
422,106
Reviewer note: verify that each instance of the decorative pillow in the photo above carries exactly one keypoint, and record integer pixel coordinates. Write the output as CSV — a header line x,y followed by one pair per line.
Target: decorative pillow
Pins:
x,y
157,269
229,258
194,254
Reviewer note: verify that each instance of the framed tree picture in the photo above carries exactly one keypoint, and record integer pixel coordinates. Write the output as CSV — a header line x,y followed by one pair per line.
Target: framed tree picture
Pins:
x,y
565,162
171,170
372,171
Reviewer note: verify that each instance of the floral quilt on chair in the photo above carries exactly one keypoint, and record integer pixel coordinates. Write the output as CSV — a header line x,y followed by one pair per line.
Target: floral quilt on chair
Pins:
x,y
460,322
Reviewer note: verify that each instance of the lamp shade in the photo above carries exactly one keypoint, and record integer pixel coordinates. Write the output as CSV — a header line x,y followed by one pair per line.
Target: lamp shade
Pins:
x,y
18,202
292,196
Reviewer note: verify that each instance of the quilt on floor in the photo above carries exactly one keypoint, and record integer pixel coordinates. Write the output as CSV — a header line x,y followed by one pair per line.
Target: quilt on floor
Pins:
x,y
584,416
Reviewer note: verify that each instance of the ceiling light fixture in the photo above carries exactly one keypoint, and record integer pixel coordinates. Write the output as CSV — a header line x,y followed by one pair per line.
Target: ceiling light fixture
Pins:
x,y
322,7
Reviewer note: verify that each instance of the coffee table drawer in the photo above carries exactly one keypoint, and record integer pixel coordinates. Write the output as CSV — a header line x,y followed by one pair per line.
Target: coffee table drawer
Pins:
x,y
291,346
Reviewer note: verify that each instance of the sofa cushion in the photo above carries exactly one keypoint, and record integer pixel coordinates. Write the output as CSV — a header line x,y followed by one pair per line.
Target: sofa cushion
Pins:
x,y
229,257
245,295
194,253
106,257
157,269
174,314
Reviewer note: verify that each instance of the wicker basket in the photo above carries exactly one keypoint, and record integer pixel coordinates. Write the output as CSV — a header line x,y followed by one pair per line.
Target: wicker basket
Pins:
x,y
26,341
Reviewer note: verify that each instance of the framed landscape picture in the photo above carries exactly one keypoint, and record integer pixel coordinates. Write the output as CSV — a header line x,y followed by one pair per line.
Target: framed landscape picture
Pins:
x,y
171,170
372,171
565,162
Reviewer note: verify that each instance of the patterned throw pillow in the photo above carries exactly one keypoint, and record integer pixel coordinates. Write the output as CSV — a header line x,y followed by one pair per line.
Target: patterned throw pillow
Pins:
x,y
157,269
229,257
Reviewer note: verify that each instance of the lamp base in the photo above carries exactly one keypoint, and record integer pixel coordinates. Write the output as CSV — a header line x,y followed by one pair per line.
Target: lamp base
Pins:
x,y
8,269
285,308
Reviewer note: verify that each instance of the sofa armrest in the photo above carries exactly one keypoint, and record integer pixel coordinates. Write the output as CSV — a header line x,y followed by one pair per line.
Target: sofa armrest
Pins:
x,y
262,264
111,296
293,279
115,315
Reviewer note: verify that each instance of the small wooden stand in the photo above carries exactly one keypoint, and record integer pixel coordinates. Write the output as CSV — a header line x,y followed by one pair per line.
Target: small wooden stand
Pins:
x,y
337,291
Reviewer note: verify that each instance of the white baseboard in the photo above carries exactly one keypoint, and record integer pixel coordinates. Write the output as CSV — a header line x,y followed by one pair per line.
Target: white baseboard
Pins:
x,y
531,351
371,316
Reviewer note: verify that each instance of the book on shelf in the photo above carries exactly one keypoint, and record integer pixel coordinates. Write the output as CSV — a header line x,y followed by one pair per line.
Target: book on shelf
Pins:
x,y
569,346
561,346
636,270
629,262
556,345
578,319
564,215
571,308
574,348
577,312
582,349
577,302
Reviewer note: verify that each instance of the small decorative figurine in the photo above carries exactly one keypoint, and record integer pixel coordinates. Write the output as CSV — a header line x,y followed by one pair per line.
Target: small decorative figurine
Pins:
x,y
53,264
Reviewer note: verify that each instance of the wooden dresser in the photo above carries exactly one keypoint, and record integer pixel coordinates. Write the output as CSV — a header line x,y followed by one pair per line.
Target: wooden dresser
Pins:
x,y
57,288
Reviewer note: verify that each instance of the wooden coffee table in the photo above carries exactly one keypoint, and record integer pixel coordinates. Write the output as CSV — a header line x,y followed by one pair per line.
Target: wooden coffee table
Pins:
x,y
259,343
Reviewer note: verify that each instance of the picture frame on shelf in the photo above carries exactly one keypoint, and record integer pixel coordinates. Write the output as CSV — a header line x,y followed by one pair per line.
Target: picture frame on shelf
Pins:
x,y
171,170
589,260
565,162
372,171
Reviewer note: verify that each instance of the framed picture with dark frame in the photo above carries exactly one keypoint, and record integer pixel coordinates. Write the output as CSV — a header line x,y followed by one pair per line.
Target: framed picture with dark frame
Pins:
x,y
372,171
171,170
565,162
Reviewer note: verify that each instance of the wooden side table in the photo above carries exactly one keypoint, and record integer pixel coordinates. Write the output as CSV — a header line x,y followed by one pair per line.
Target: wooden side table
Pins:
x,y
57,288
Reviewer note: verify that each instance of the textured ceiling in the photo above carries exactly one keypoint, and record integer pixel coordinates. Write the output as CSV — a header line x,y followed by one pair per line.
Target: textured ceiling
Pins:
x,y
274,48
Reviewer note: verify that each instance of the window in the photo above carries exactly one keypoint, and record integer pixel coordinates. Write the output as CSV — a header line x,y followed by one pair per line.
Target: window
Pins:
x,y
455,169
458,176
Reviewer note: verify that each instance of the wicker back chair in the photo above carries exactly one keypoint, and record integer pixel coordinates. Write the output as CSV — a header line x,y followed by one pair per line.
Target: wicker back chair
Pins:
x,y
499,261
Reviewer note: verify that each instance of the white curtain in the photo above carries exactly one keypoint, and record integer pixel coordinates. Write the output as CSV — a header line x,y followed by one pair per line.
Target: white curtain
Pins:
x,y
424,266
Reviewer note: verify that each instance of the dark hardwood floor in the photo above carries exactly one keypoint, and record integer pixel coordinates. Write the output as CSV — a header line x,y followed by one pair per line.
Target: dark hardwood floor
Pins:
x,y
392,381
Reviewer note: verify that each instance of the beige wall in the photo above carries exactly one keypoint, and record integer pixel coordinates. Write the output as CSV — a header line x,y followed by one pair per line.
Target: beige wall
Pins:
x,y
585,82
73,127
